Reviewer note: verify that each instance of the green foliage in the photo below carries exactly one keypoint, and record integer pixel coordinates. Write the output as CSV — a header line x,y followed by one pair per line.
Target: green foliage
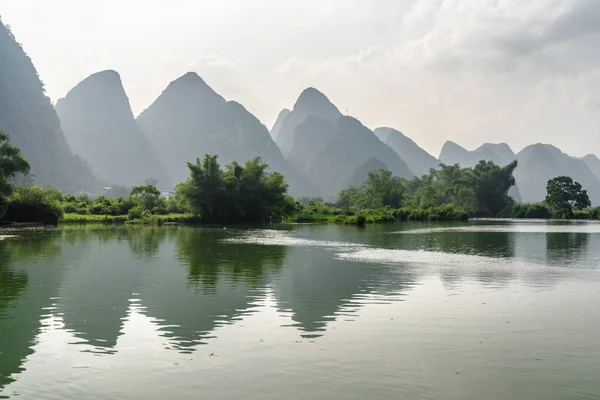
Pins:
x,y
361,220
147,197
490,184
12,164
446,212
448,193
237,194
34,204
564,195
534,211
381,189
481,190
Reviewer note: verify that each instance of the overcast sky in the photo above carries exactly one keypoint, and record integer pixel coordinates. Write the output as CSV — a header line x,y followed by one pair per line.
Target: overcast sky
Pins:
x,y
471,71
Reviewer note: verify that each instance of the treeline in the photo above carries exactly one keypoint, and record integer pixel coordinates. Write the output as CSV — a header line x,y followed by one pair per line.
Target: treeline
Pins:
x,y
450,193
251,193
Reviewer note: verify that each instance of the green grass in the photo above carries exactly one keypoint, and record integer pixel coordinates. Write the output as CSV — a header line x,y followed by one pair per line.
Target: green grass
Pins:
x,y
374,218
122,219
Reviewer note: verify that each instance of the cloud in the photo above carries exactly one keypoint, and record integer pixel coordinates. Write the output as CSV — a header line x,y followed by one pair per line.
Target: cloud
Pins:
x,y
476,71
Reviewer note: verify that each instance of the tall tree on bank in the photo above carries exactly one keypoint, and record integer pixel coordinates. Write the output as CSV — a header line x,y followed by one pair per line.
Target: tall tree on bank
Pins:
x,y
491,184
12,163
247,193
564,195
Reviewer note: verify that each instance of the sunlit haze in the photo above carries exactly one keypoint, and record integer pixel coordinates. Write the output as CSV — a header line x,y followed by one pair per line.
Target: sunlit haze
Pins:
x,y
470,71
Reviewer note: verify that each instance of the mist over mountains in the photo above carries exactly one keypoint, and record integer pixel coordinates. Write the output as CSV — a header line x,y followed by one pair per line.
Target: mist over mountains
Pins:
x,y
91,138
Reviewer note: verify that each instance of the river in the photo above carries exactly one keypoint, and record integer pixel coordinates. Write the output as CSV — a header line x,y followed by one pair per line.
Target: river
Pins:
x,y
478,310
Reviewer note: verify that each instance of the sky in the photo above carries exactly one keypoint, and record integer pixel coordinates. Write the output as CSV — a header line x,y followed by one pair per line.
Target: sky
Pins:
x,y
470,71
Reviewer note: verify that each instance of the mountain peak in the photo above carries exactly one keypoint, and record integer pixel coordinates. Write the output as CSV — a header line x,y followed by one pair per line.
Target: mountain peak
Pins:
x,y
313,102
279,123
99,82
452,147
186,93
106,74
384,133
192,80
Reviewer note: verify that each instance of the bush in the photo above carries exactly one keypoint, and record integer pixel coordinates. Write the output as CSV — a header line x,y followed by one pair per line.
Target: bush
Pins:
x,y
135,213
535,210
70,208
308,218
34,204
446,212
361,220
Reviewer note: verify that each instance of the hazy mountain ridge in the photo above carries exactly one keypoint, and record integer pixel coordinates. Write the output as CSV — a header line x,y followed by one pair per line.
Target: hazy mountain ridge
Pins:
x,y
593,162
28,117
316,138
418,160
499,153
314,108
189,119
279,123
540,162
99,125
351,145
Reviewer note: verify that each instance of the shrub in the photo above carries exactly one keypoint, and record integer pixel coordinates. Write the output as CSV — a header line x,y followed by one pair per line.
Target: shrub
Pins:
x,y
135,213
361,220
34,204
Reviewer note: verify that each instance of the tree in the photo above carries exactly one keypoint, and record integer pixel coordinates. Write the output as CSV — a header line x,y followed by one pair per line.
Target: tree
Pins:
x,y
147,197
204,189
12,164
247,193
491,184
564,195
383,190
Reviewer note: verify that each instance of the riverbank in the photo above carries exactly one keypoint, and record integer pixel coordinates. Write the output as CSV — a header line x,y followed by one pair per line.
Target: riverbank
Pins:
x,y
72,218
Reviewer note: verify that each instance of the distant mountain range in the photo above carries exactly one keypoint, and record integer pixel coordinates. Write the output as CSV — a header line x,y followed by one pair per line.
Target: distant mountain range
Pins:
x,y
313,144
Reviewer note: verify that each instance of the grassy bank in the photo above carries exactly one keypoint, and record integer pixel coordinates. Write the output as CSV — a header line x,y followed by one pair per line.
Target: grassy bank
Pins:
x,y
72,218
324,214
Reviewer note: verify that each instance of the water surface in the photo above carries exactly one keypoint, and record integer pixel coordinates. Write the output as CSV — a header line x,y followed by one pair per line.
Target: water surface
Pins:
x,y
485,309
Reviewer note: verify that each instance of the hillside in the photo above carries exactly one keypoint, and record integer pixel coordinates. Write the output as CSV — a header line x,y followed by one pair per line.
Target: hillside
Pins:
x,y
98,123
305,130
593,163
350,146
418,160
28,117
540,162
360,174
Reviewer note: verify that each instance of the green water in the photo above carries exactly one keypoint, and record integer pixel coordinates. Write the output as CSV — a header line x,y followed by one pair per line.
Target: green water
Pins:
x,y
481,310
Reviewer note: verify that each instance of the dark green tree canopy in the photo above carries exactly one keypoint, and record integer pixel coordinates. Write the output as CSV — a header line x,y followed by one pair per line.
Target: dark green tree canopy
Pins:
x,y
564,195
247,193
12,163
